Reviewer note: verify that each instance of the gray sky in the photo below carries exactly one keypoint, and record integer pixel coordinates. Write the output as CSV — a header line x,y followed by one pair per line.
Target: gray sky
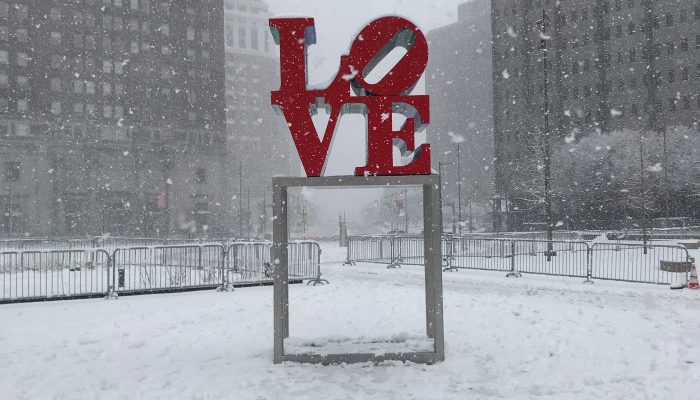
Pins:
x,y
337,24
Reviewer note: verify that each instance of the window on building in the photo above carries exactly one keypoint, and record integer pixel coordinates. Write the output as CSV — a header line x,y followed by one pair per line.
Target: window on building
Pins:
x,y
22,59
669,19
78,108
618,31
4,57
22,36
4,33
55,107
4,80
119,112
11,171
134,4
672,105
118,89
78,41
190,33
683,15
23,82
164,30
90,87
4,9
242,38
631,28
671,76
684,44
670,47
201,175
107,88
254,38
22,106
21,12
107,111
686,102
205,36
55,84
684,73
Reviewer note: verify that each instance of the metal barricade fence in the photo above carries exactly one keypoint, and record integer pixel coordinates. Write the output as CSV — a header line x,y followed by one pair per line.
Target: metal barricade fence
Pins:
x,y
40,275
620,262
370,249
250,262
151,269
560,258
247,261
635,262
477,253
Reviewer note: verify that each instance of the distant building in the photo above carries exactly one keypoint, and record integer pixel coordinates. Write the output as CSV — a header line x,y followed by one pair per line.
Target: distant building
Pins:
x,y
112,118
258,139
610,64
459,81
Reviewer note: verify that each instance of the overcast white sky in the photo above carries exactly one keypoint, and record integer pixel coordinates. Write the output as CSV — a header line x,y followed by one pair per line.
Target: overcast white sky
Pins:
x,y
339,21
337,24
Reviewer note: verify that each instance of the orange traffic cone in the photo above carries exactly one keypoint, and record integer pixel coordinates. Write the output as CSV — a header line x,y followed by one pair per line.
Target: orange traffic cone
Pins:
x,y
693,283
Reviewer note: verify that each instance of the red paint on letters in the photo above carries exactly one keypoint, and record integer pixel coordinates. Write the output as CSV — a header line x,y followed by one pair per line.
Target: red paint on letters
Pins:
x,y
379,100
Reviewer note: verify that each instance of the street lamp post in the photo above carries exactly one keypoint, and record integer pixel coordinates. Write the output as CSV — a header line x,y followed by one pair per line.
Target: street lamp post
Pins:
x,y
459,185
440,165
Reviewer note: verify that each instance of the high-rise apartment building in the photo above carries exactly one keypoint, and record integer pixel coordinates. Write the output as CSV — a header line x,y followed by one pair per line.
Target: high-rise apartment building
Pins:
x,y
112,117
573,67
459,81
258,139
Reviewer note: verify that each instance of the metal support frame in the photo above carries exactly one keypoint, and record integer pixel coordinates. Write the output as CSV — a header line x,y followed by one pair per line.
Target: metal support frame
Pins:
x,y
432,217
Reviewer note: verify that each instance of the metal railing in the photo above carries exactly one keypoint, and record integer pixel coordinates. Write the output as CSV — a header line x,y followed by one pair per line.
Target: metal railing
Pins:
x,y
32,275
614,261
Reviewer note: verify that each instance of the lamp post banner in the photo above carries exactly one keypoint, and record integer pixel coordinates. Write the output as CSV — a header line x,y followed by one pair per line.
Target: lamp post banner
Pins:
x,y
377,101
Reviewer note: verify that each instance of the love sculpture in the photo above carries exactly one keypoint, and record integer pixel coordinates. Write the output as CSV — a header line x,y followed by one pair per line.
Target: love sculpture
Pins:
x,y
350,92
378,101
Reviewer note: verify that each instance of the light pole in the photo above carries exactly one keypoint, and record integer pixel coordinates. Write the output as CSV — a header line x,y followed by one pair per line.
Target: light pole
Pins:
x,y
459,185
440,165
11,175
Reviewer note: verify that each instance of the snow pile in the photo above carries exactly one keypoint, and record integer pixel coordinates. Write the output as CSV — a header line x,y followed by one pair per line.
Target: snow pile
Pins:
x,y
399,343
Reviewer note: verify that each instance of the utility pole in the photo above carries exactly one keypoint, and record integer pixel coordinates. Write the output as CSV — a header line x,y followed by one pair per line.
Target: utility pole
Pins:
x,y
247,214
240,198
666,184
459,185
546,138
9,208
642,192
405,210
303,220
442,185
263,222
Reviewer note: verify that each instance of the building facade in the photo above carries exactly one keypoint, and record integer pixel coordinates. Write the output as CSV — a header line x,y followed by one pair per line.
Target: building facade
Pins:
x,y
459,81
257,137
112,118
566,69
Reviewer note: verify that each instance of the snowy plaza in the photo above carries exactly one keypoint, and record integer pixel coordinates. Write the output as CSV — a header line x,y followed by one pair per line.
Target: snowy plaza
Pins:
x,y
531,337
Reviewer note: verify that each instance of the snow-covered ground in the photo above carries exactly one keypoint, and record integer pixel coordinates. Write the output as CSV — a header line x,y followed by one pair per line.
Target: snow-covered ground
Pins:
x,y
534,337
